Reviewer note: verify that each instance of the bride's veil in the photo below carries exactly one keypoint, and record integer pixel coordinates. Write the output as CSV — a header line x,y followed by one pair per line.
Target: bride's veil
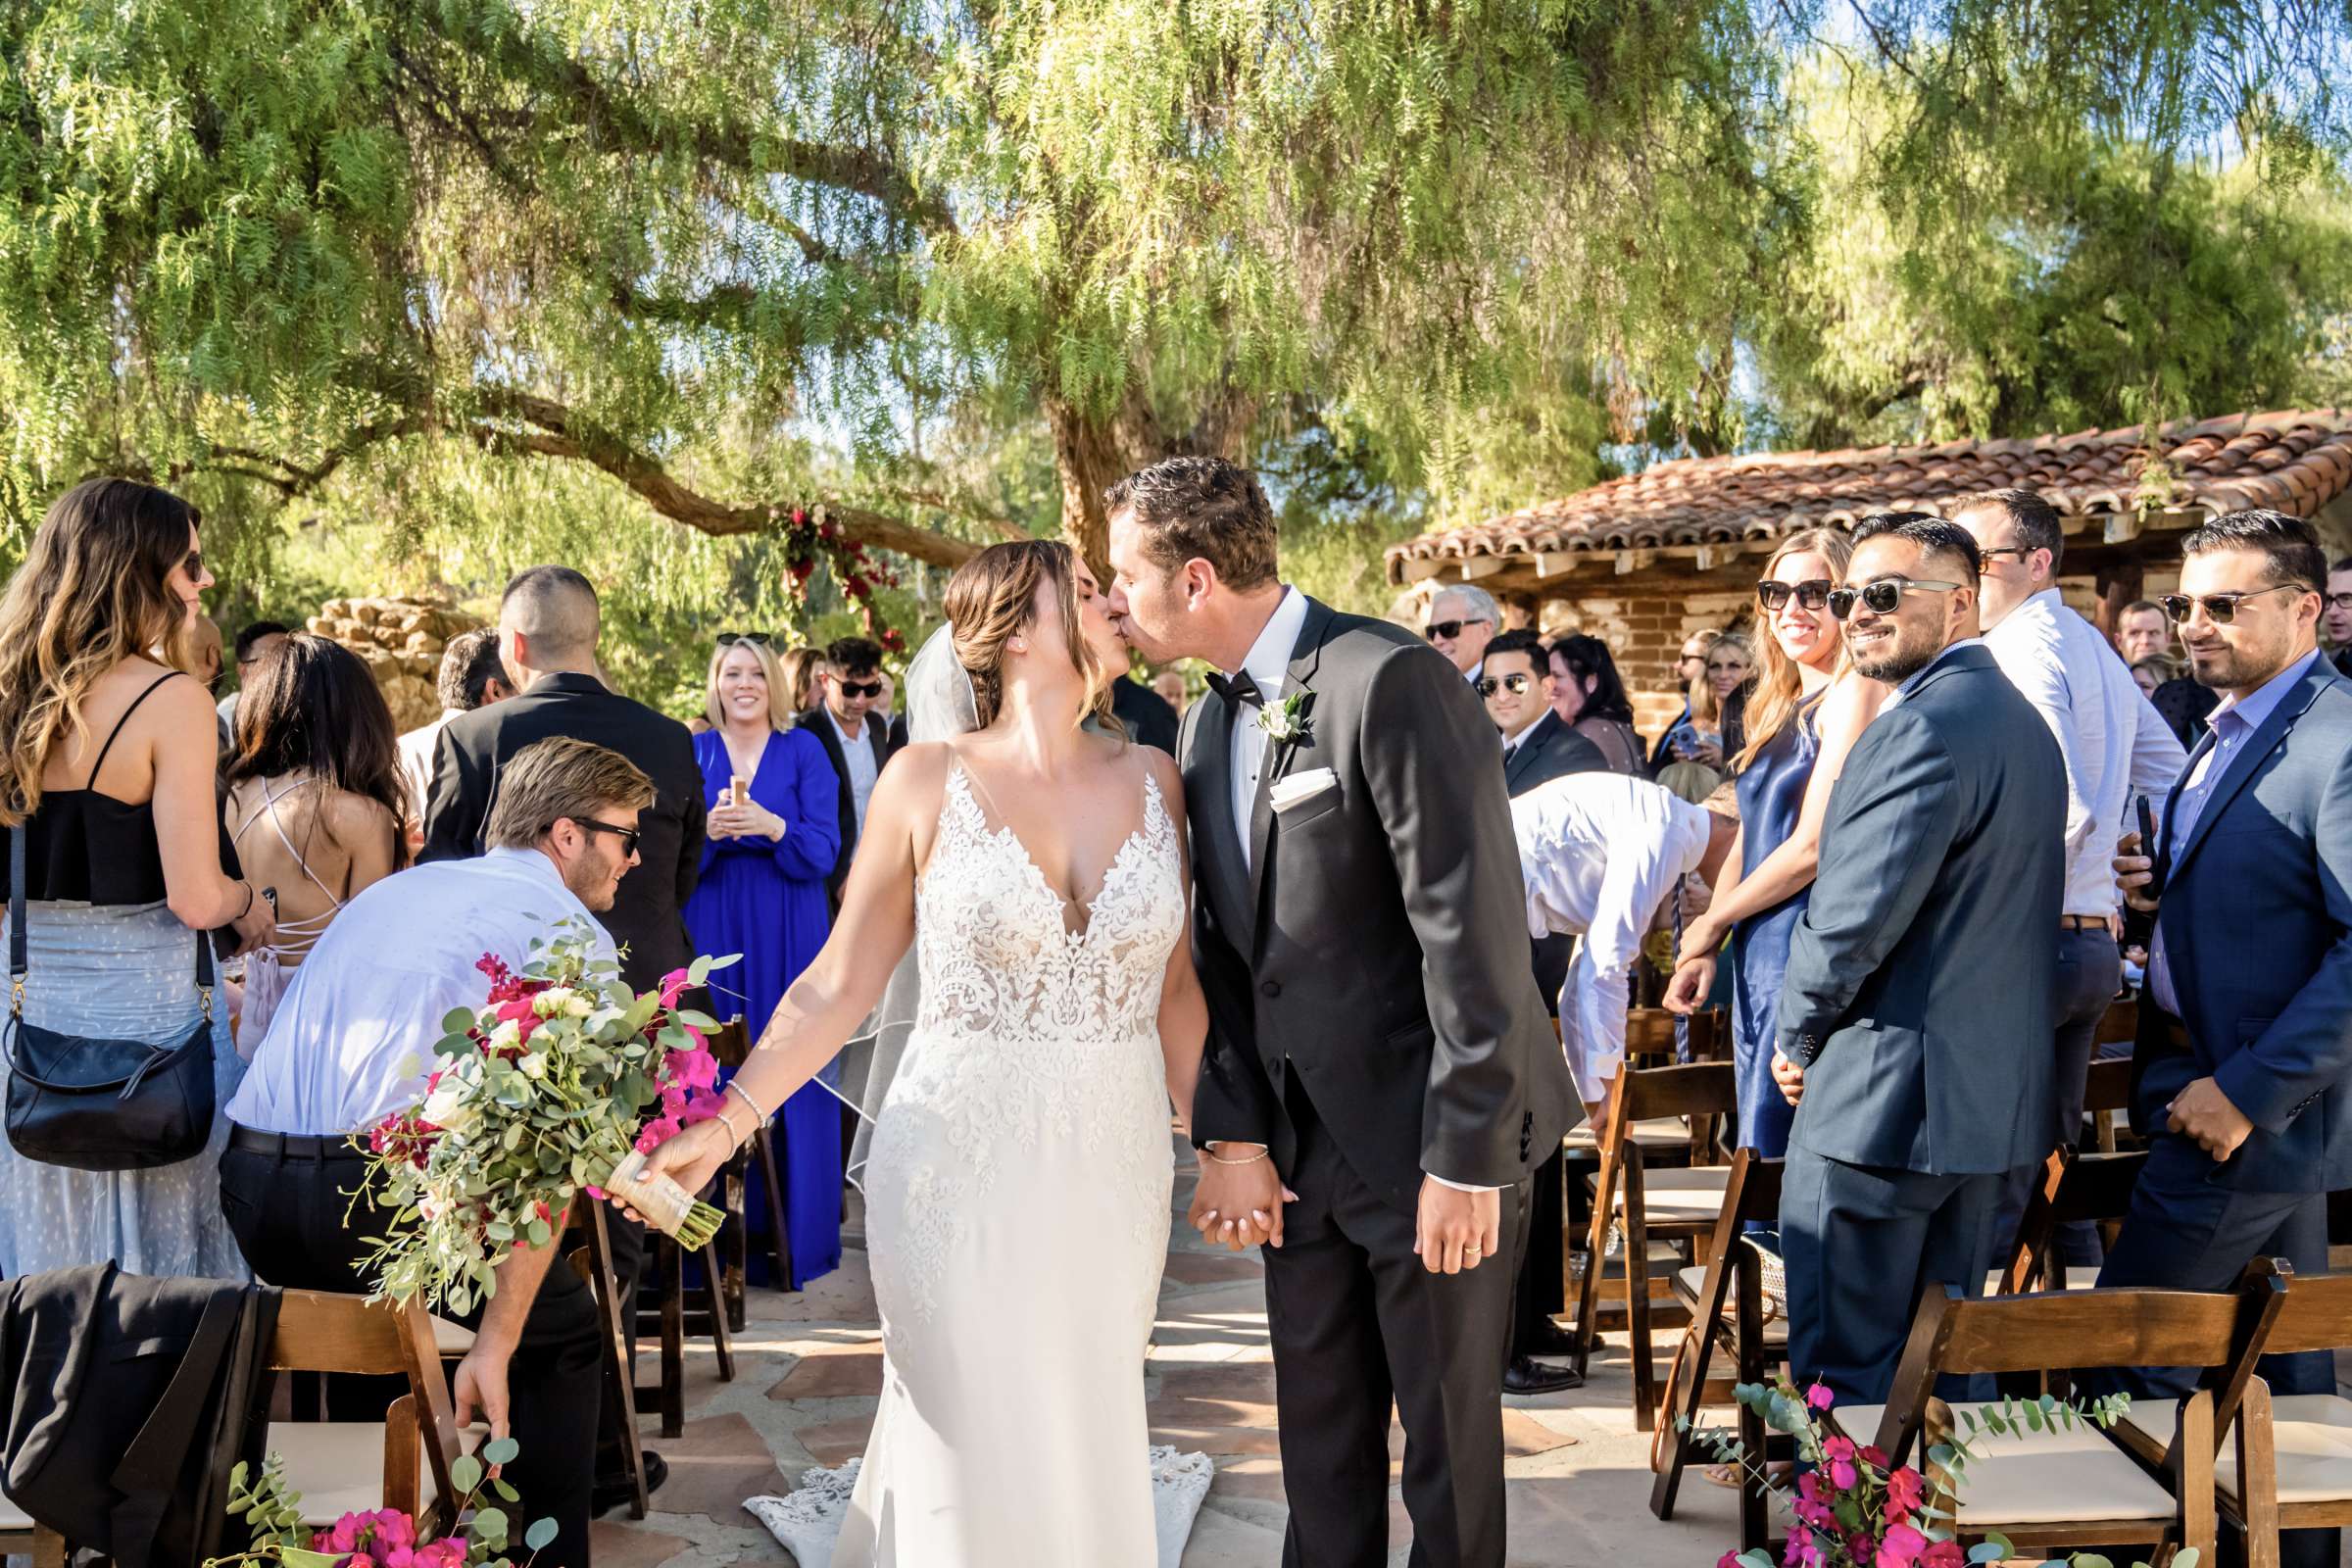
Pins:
x,y
940,705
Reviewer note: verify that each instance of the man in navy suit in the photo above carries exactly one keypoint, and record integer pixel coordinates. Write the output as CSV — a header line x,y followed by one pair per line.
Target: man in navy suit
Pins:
x,y
2244,1059
1915,1019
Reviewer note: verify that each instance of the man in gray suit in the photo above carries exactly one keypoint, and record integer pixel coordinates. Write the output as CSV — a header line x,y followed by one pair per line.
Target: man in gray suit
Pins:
x,y
1376,1045
1915,1020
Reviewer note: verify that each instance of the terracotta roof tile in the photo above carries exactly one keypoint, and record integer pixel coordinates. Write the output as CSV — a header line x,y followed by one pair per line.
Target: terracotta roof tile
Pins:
x,y
2293,459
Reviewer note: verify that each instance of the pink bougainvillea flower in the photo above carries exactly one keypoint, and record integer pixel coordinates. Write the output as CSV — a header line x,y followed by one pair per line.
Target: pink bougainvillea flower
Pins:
x,y
1818,1397
1905,1489
1838,1455
1901,1548
1730,1558
1944,1554
672,985
1800,1553
1873,1456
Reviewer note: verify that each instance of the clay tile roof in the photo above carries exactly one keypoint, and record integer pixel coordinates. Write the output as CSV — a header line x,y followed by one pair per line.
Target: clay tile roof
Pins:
x,y
2295,461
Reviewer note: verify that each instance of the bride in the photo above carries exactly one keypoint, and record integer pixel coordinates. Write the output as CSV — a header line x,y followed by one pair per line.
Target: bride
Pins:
x,y
1018,1185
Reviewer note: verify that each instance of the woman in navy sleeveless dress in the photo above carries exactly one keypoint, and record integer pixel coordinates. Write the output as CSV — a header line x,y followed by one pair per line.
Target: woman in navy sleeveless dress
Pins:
x,y
1803,717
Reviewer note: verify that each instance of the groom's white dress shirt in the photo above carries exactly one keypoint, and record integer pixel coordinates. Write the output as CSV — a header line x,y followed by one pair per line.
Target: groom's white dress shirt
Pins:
x,y
352,1041
1602,853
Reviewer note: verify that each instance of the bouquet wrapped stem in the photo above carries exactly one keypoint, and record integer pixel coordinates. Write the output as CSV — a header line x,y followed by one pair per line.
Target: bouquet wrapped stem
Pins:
x,y
558,1085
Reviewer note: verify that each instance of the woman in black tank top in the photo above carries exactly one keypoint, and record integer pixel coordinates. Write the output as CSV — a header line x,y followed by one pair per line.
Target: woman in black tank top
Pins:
x,y
124,872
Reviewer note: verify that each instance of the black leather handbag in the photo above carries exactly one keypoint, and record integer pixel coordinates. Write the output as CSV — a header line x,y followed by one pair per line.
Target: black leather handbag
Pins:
x,y
103,1105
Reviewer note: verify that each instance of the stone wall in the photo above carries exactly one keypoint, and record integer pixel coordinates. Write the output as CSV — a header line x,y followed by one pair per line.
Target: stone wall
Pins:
x,y
402,640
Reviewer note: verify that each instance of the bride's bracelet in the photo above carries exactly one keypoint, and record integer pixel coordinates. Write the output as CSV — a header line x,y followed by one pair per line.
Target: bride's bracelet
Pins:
x,y
1215,1159
734,1132
736,1082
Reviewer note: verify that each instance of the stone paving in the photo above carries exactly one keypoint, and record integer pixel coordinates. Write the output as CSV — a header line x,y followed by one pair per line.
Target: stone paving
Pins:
x,y
808,1375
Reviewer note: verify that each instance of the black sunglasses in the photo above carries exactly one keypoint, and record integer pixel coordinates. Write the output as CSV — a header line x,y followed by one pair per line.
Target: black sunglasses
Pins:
x,y
628,836
1879,598
1488,685
860,688
728,639
2220,609
1812,594
1453,628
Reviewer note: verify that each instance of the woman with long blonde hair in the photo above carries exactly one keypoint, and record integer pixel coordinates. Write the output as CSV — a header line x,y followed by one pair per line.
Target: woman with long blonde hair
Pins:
x,y
1017,1192
1805,711
772,836
107,751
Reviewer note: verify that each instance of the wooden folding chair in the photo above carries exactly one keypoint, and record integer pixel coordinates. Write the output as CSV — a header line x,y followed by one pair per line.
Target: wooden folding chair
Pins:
x,y
680,1309
2074,1187
342,1467
731,1045
2296,1448
1725,1299
1651,1040
2072,1486
2107,1094
592,1263
1669,1204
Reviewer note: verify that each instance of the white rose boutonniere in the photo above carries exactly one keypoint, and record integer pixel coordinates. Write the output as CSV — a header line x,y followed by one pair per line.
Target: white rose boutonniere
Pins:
x,y
1285,720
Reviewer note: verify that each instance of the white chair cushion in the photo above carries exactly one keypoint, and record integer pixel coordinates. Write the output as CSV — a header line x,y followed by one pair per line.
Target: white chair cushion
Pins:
x,y
2039,1477
12,1519
1678,1197
451,1339
1689,1282
2313,1433
1658,1132
2081,1278
338,1466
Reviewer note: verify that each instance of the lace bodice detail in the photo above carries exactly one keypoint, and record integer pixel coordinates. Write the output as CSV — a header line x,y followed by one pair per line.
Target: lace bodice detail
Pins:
x,y
1000,961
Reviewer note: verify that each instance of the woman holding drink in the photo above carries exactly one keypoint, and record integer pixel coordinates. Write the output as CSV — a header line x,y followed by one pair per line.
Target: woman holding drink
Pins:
x,y
773,835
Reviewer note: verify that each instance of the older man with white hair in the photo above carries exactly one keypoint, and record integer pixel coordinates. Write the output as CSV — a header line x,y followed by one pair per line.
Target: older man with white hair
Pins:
x,y
1462,621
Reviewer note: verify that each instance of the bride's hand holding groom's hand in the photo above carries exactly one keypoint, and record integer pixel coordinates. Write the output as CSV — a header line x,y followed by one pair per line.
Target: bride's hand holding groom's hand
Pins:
x,y
1238,1201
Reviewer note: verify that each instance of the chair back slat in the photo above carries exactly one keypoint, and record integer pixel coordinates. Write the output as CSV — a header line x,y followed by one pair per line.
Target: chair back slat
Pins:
x,y
2317,1314
732,1043
1700,1089
2108,1085
2119,1024
322,1332
2069,1328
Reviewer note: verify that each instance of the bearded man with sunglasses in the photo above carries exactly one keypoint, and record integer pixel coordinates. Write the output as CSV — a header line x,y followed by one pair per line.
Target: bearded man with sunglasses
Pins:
x,y
2242,1073
858,742
1915,1018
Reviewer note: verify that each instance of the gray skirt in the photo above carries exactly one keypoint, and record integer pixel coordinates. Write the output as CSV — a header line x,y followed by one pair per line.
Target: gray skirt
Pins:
x,y
125,972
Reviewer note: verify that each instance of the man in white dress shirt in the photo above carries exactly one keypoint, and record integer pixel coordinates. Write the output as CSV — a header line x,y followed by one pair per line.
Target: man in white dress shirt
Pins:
x,y
349,1046
472,677
2115,747
1604,856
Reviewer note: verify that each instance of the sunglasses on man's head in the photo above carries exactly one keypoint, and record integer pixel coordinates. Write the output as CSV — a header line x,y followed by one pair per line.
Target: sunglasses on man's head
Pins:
x,y
860,688
1812,594
2220,609
1453,628
728,639
1879,598
1516,685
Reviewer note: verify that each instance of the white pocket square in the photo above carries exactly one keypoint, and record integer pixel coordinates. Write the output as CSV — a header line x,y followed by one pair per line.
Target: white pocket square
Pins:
x,y
1289,792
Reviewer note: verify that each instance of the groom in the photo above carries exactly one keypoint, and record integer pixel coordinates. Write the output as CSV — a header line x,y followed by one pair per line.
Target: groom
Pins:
x,y
1377,1047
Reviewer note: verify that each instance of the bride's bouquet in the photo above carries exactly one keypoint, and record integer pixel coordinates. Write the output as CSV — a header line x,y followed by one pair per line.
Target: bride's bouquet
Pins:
x,y
557,1085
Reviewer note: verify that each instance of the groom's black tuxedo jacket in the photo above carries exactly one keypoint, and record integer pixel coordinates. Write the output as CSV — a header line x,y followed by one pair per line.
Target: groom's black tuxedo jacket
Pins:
x,y
1374,943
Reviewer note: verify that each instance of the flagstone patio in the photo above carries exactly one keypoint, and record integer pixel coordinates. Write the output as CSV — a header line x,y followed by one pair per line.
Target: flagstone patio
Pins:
x,y
810,1369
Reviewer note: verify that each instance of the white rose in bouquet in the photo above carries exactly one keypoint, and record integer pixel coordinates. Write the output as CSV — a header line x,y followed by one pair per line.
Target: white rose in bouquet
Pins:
x,y
449,1104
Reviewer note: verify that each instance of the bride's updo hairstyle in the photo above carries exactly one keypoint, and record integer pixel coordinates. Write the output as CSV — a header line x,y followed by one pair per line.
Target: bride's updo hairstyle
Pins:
x,y
993,599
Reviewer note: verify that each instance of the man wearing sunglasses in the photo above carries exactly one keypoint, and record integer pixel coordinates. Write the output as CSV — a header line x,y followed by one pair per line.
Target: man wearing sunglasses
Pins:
x,y
1537,748
856,740
2242,1073
1915,1018
1462,621
2335,621
2115,748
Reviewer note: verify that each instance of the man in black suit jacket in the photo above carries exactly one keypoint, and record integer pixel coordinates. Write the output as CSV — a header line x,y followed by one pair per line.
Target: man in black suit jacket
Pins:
x,y
1376,1043
843,718
548,623
1537,748
547,629
1150,719
1915,1019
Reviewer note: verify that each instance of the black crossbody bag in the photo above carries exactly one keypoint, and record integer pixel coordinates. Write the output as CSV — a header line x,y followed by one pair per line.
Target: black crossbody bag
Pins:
x,y
102,1104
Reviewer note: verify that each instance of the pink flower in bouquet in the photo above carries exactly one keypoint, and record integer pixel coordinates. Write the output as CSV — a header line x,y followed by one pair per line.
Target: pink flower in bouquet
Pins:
x,y
1901,1548
394,1529
343,1536
1944,1554
1800,1553
1809,1505
673,985
1873,1456
447,1552
696,1068
504,984
1730,1558
1818,1397
1859,1548
1838,1453
1906,1489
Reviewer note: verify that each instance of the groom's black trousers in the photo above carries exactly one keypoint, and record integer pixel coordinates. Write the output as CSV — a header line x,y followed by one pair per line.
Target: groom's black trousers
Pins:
x,y
1356,1323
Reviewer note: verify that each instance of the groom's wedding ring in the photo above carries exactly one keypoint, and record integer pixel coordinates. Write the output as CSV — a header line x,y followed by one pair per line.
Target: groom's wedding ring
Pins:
x,y
1472,1254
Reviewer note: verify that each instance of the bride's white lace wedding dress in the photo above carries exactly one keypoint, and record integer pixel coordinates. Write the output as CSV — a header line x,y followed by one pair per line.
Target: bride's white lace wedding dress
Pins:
x,y
1017,1213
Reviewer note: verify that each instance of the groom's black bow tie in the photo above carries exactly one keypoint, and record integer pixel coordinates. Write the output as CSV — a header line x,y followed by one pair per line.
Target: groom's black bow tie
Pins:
x,y
1240,690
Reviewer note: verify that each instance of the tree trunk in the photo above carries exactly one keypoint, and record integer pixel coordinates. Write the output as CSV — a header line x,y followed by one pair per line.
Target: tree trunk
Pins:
x,y
1093,453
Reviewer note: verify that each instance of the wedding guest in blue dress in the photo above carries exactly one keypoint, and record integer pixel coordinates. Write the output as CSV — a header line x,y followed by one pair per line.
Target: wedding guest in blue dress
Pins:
x,y
1803,717
106,782
770,845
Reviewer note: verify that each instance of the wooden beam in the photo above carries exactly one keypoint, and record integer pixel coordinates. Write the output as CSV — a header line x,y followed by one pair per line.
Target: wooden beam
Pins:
x,y
2122,527
1422,568
1559,563
1477,567
1630,562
